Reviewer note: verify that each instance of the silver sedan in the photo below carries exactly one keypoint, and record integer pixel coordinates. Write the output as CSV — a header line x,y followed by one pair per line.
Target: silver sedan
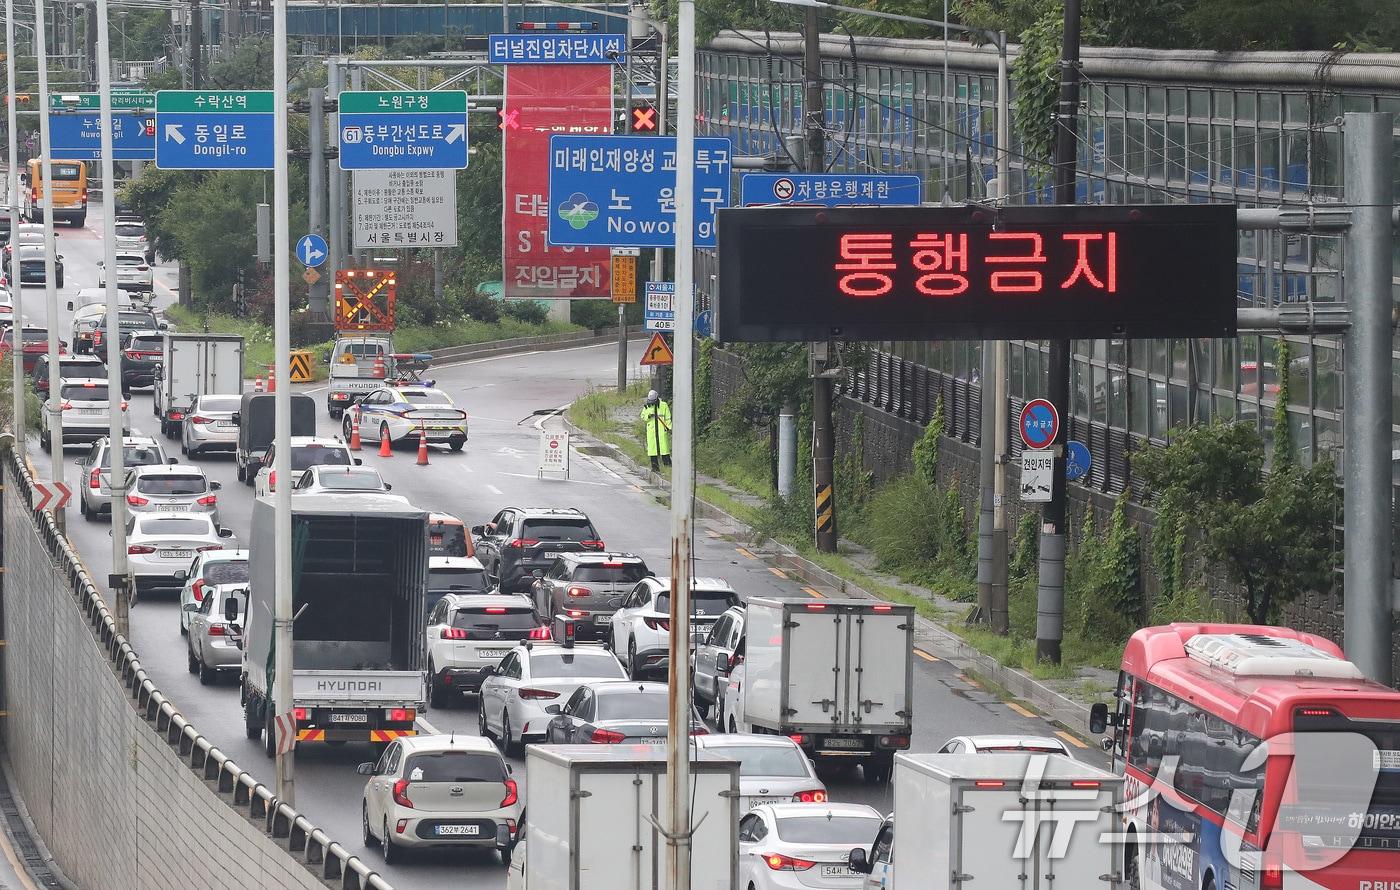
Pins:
x,y
209,426
160,545
213,638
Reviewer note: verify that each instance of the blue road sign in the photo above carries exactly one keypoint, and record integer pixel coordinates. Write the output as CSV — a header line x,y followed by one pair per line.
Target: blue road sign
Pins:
x,y
705,323
78,137
619,191
659,313
830,189
312,250
557,49
1040,423
403,131
1077,460
214,130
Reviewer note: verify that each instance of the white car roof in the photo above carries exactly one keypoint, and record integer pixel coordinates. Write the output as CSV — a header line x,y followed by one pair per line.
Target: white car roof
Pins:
x,y
226,556
981,742
743,739
784,810
326,441
453,742
454,562
169,470
487,600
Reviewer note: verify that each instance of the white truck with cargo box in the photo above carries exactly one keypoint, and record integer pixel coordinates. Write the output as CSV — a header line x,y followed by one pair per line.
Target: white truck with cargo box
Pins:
x,y
838,674
594,814
359,583
194,365
999,821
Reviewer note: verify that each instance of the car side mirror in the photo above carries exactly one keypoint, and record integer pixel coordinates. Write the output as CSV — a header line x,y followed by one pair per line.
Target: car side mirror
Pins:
x,y
1098,719
537,573
163,326
365,769
216,486
552,709
479,531
70,305
172,460
225,532
857,861
359,462
388,487
230,609
78,462
181,575
326,357
722,664
488,671
190,607
237,419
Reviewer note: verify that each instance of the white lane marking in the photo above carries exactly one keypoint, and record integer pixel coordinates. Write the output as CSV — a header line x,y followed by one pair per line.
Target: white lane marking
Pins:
x,y
493,489
552,479
468,470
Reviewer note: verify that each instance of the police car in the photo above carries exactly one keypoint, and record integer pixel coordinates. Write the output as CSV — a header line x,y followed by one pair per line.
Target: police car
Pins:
x,y
402,411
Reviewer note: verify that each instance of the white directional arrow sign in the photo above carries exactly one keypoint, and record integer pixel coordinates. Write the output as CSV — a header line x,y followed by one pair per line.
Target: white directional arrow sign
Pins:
x,y
172,133
455,132
311,252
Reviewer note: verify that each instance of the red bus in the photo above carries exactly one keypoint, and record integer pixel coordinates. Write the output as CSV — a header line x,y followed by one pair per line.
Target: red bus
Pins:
x,y
1256,758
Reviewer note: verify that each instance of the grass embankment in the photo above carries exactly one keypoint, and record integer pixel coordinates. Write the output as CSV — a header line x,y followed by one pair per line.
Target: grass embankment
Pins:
x,y
258,345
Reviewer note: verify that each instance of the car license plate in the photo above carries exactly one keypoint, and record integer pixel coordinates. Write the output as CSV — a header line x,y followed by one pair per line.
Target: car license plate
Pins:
x,y
176,554
349,718
653,740
838,871
88,412
762,801
225,425
848,744
492,653
471,830
602,619
173,508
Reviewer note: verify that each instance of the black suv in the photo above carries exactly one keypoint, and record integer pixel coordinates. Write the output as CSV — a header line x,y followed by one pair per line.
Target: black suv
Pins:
x,y
141,352
128,320
588,586
522,539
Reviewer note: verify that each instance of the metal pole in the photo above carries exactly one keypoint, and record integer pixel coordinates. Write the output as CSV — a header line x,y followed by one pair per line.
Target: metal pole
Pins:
x,y
17,292
196,45
115,390
663,88
282,407
678,848
334,80
787,449
1000,617
626,127
1050,591
318,294
1367,547
987,457
357,82
948,127
54,404
823,426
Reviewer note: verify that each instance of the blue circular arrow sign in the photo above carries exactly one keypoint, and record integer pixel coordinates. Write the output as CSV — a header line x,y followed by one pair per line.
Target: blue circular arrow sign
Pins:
x,y
1040,423
312,250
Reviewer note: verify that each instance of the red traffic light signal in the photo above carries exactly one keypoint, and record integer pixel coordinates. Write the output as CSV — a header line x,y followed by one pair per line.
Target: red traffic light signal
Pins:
x,y
644,118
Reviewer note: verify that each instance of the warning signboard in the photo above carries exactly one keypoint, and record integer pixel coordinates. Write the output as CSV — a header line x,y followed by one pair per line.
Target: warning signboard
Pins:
x,y
624,279
554,452
657,352
364,299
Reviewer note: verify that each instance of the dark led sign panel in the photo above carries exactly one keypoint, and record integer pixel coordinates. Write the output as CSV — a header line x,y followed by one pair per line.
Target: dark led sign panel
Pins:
x,y
948,273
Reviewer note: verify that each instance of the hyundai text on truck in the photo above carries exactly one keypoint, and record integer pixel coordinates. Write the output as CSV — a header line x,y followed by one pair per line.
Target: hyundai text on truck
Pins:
x,y
592,814
194,365
359,578
998,821
835,675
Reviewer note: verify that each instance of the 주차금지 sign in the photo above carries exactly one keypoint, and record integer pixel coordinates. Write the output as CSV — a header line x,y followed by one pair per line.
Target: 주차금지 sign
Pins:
x,y
944,273
405,208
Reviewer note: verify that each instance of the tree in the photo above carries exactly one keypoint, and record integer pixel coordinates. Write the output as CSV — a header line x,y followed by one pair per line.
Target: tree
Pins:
x,y
1270,535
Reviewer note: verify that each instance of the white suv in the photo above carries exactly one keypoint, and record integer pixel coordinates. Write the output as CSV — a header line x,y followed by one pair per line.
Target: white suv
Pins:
x,y
133,273
641,627
469,632
307,452
84,414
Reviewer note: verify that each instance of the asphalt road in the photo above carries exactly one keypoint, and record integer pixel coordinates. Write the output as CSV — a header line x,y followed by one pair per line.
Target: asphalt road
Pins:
x,y
497,468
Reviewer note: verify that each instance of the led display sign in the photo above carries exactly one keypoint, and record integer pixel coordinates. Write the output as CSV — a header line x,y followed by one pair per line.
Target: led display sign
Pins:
x,y
948,273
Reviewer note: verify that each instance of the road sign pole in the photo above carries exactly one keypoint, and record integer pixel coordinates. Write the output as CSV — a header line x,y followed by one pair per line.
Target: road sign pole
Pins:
x,y
318,294
18,291
282,408
115,395
55,411
338,228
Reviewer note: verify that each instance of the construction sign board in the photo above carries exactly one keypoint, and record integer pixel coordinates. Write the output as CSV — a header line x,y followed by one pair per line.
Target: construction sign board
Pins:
x,y
657,352
364,299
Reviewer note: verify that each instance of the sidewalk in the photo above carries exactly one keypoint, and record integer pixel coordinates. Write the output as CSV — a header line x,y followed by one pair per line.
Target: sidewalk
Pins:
x,y
1066,701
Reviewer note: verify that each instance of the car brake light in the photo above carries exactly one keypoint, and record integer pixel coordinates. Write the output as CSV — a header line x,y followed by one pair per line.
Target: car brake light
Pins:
x,y
123,404
522,543
1316,712
453,633
779,862
299,714
195,418
208,500
401,794
661,624
512,794
541,633
198,591
817,795
592,545
990,783
216,630
537,694
580,591
495,610
798,738
573,613
272,479
606,737
177,415
815,607
902,741
136,500
137,549
95,479
882,608
402,715
207,547
1084,784
143,268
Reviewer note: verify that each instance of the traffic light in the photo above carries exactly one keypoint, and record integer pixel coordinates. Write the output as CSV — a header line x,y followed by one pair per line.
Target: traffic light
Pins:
x,y
643,120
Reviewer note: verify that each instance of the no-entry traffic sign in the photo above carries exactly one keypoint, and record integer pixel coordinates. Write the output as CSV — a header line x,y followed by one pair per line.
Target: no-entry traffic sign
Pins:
x,y
1040,423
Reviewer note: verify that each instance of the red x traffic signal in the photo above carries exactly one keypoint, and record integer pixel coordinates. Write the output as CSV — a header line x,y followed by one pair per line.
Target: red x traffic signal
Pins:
x,y
644,118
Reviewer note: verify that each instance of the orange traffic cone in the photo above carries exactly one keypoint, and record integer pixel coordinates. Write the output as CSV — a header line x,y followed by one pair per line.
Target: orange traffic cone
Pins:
x,y
272,378
379,366
422,445
354,432
385,449
257,383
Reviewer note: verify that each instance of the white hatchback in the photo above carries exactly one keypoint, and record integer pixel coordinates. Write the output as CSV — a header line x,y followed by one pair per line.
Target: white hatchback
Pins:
x,y
133,273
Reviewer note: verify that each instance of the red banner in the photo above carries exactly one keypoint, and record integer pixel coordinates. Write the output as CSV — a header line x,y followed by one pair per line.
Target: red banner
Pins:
x,y
542,100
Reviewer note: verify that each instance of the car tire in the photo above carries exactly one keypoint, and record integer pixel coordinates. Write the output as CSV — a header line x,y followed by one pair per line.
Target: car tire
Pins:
x,y
345,428
507,741
481,728
1132,876
184,449
455,444
207,675
505,856
393,854
733,727
191,662
368,835
437,696
45,442
269,734
632,670
242,473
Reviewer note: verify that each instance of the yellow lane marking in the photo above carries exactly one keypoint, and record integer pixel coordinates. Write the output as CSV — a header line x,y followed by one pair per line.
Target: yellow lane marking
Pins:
x,y
969,681
1019,710
746,553
924,655
778,572
1070,738
812,591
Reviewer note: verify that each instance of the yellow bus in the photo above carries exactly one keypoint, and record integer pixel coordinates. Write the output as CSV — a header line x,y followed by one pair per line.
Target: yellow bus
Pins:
x,y
70,191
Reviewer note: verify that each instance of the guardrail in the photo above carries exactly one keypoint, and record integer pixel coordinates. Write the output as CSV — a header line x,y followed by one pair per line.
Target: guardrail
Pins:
x,y
324,858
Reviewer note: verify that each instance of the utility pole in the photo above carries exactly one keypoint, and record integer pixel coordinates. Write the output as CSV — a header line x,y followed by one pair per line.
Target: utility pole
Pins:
x,y
1000,568
1367,461
663,89
282,406
90,50
116,398
54,403
196,46
318,294
335,78
678,830
823,426
357,83
1050,591
13,182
